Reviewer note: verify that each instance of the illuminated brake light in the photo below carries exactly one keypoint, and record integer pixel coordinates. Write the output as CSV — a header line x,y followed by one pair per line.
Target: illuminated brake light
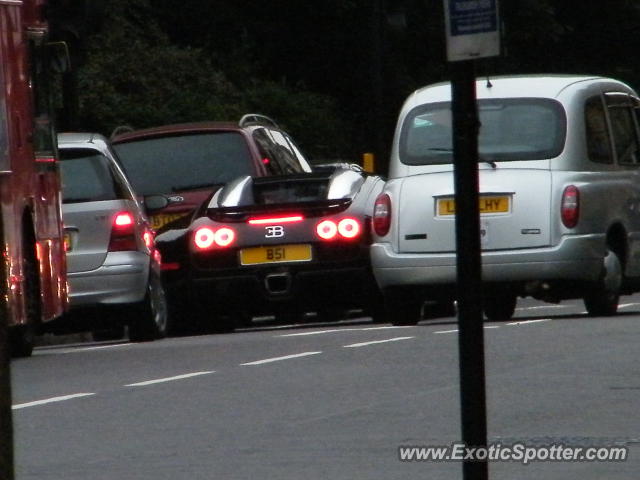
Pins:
x,y
327,230
123,233
147,236
349,227
123,219
224,237
275,220
570,206
206,237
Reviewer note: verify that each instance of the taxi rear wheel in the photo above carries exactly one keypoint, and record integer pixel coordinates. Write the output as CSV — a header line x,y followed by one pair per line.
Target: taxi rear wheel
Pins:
x,y
602,299
499,308
403,309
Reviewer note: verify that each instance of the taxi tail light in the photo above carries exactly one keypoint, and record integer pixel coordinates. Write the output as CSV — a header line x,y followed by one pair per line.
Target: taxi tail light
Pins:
x,y
206,237
123,233
382,215
570,206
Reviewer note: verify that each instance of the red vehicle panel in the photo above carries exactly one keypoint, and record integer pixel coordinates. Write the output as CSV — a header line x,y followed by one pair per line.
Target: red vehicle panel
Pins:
x,y
34,272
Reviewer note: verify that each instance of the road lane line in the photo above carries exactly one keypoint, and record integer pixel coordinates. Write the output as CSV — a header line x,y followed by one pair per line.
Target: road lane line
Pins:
x,y
168,379
334,330
100,347
525,322
277,359
50,400
447,331
455,330
625,305
374,342
541,307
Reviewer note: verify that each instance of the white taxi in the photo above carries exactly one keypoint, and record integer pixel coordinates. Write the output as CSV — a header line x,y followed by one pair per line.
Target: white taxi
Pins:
x,y
559,184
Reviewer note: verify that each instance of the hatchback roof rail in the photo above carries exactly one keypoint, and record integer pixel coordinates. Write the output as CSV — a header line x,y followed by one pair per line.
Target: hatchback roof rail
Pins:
x,y
256,119
121,129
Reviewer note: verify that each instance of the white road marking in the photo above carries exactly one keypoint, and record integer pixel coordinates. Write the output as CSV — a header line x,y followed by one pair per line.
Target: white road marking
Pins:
x,y
168,379
455,330
334,330
51,400
364,344
541,307
277,359
101,347
625,305
525,322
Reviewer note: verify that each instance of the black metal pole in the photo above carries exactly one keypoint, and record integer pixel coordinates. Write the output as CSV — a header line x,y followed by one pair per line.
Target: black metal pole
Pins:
x,y
469,266
6,425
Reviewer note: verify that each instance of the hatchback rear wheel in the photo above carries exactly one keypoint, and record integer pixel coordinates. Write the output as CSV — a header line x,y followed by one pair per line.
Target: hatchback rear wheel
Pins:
x,y
150,318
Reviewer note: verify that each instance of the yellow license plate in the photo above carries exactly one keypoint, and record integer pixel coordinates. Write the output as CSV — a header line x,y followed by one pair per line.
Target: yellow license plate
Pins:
x,y
487,204
275,254
160,220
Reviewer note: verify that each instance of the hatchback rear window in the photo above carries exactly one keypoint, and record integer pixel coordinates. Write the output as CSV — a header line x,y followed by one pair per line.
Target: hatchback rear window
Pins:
x,y
87,177
510,129
184,162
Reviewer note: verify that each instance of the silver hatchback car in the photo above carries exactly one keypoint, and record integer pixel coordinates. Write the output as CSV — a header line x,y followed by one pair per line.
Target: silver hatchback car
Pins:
x,y
559,183
113,264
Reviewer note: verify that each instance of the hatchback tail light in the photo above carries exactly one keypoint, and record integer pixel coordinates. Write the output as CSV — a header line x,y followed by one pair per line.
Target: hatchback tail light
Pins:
x,y
207,237
123,233
570,206
382,215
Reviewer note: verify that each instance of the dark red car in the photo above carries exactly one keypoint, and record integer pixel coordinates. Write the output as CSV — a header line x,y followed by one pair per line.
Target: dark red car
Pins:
x,y
186,162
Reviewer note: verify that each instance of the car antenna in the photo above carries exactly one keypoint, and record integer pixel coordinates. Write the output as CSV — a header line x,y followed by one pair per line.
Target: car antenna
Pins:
x,y
489,84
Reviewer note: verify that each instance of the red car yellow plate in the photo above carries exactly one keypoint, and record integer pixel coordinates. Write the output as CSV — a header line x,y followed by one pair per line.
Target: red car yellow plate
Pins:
x,y
487,204
161,219
275,254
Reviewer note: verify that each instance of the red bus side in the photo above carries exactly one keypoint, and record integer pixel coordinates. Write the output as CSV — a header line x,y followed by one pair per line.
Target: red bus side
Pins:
x,y
30,202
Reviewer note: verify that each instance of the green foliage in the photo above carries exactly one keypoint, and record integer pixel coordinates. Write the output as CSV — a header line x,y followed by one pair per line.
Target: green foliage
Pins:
x,y
134,76
329,70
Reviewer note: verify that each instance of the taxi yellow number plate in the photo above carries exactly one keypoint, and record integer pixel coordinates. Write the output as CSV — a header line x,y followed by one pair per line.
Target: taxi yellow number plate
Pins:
x,y
275,254
160,220
487,204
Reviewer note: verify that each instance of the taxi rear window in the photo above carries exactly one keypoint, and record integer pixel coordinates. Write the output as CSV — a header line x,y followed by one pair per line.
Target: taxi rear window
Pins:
x,y
510,129
184,162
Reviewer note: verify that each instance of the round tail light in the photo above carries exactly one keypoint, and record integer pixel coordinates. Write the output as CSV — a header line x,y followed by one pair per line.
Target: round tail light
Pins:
x,y
204,238
349,228
327,230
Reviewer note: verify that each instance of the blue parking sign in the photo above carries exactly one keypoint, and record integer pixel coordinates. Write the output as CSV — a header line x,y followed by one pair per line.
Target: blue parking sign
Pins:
x,y
473,29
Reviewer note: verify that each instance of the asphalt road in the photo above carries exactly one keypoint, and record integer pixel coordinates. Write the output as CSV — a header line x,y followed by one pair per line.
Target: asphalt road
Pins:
x,y
328,401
